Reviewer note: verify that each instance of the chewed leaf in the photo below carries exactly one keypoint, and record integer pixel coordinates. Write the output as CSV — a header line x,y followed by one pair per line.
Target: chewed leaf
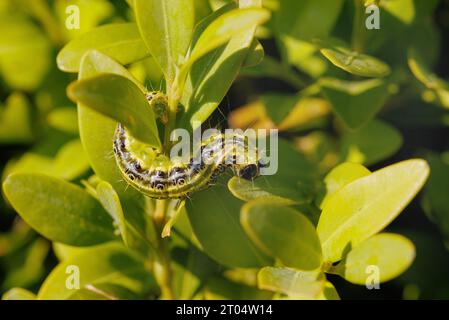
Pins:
x,y
385,255
367,205
120,99
282,232
356,63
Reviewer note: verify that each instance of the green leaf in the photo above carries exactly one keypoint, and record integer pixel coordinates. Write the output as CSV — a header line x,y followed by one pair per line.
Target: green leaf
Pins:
x,y
64,119
340,176
58,210
255,55
70,162
355,102
213,74
435,197
367,205
18,294
329,292
299,18
269,67
219,288
226,26
92,13
64,252
111,203
97,134
373,143
404,10
121,42
96,130
15,120
106,270
386,255
356,63
166,28
219,230
290,282
119,98
287,186
25,54
283,233
29,269
192,267
428,78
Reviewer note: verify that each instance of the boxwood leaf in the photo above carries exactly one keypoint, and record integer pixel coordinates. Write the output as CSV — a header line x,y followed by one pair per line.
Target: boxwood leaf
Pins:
x,y
202,94
356,63
64,119
25,52
255,56
111,203
18,294
367,205
120,41
219,288
214,216
15,120
428,78
391,253
97,132
166,28
435,201
119,98
100,269
290,282
58,210
283,233
340,176
222,29
373,143
69,163
355,102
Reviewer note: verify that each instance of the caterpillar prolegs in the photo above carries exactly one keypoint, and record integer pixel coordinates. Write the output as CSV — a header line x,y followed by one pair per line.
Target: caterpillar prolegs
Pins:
x,y
155,175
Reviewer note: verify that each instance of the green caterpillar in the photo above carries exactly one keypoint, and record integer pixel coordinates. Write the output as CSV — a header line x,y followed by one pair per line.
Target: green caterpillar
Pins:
x,y
155,175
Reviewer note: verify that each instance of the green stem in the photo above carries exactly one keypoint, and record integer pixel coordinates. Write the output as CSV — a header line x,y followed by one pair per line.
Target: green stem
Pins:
x,y
162,262
358,30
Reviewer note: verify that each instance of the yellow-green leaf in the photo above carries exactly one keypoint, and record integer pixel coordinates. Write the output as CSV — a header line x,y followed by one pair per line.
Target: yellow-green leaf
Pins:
x,y
367,205
385,255
290,282
356,63
282,232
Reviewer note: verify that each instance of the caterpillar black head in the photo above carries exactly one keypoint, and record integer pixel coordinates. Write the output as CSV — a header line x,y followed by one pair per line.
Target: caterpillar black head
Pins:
x,y
249,172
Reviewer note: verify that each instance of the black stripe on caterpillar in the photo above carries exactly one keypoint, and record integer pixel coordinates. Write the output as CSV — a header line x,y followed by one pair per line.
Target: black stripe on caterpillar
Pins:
x,y
157,177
